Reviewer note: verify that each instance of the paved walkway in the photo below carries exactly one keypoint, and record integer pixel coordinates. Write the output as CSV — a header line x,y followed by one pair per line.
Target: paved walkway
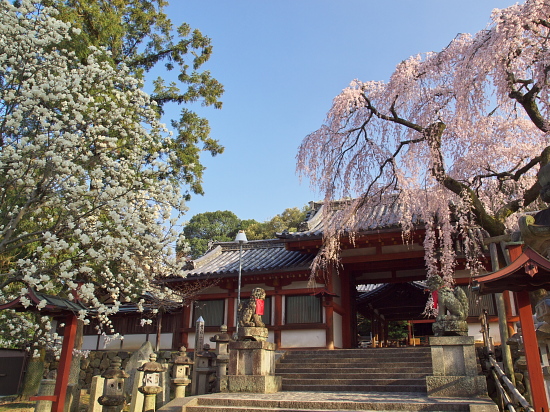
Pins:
x,y
409,398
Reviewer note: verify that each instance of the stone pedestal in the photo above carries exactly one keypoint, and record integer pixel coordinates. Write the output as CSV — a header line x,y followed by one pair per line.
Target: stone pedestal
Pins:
x,y
253,333
450,328
251,368
455,372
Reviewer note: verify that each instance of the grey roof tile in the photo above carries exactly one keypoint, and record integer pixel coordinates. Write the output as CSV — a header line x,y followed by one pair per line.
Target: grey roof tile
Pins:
x,y
383,215
258,256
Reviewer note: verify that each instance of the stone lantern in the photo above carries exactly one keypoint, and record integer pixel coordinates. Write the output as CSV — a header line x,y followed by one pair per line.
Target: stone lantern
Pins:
x,y
205,369
222,340
113,388
151,382
181,372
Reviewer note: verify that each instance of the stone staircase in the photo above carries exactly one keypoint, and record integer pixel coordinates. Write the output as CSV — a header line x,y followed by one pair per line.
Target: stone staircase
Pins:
x,y
381,379
356,370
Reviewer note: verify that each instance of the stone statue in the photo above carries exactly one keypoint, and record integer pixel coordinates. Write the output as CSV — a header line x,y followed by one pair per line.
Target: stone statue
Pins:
x,y
452,309
249,312
251,326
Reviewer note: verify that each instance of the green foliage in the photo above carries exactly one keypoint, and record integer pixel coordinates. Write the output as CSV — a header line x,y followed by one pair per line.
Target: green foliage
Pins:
x,y
219,226
397,330
289,220
139,34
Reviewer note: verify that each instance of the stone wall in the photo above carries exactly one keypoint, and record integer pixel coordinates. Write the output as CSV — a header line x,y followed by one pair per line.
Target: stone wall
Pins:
x,y
95,364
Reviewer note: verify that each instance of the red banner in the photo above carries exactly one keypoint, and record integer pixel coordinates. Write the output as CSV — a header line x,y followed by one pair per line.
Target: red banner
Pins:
x,y
259,307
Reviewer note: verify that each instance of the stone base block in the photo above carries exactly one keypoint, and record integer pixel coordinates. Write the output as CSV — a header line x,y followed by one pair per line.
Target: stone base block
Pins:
x,y
488,407
456,386
253,333
450,328
251,383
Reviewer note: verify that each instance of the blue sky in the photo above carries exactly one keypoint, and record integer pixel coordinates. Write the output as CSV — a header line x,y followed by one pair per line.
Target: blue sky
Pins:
x,y
282,62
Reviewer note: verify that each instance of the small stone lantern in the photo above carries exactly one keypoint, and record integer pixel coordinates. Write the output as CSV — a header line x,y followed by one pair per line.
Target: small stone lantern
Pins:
x,y
222,340
113,389
151,382
181,372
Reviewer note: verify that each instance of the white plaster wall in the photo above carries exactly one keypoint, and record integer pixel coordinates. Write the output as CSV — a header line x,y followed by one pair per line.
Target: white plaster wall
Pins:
x,y
165,341
207,336
112,344
310,338
475,328
337,322
134,342
90,342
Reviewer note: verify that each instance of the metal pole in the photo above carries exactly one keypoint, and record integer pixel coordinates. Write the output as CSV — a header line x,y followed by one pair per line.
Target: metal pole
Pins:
x,y
239,287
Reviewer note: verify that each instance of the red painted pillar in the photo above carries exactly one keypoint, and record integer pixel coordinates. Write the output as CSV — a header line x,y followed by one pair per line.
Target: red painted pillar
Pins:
x,y
278,316
346,306
329,313
64,368
536,378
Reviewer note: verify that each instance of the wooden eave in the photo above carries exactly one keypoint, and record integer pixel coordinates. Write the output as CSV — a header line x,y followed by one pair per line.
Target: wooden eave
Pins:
x,y
246,277
529,272
381,237
54,306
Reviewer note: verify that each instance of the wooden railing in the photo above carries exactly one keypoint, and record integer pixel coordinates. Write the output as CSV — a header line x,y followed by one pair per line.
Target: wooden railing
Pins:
x,y
509,398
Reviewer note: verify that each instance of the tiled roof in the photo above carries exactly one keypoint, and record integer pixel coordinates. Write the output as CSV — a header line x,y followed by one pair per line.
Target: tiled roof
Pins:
x,y
378,216
54,304
258,256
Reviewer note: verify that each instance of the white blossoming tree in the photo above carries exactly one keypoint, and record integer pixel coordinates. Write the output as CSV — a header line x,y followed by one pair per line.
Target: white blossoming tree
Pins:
x,y
466,126
87,203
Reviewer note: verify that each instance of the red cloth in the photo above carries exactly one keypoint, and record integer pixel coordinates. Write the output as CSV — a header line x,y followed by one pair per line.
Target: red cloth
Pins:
x,y
259,306
435,297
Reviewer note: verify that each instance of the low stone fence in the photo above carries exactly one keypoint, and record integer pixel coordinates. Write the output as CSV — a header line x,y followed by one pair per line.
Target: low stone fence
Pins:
x,y
98,362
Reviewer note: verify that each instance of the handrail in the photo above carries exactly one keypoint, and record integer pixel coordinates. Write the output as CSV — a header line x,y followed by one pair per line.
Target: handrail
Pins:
x,y
506,401
518,397
509,390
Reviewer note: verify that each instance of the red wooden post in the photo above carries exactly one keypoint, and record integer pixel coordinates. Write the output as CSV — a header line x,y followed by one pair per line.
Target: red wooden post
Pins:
x,y
538,391
65,363
346,306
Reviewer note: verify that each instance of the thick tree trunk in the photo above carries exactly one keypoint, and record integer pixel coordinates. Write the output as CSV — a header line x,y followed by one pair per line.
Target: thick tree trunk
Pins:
x,y
33,375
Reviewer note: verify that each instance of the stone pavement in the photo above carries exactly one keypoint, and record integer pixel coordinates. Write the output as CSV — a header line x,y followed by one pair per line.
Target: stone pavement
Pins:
x,y
347,400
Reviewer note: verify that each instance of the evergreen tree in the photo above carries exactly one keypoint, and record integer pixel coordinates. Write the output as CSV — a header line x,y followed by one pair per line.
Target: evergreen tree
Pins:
x,y
139,35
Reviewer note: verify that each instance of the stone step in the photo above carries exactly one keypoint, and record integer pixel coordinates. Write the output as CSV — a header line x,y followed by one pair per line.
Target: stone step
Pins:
x,y
326,402
329,381
335,354
354,365
318,359
345,387
356,370
360,352
352,375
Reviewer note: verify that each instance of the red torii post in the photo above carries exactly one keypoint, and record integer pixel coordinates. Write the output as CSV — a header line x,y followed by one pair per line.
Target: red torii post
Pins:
x,y
55,306
527,272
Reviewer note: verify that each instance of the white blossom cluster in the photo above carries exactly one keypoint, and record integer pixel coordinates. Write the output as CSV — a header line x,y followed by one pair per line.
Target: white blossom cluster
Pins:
x,y
86,207
449,128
